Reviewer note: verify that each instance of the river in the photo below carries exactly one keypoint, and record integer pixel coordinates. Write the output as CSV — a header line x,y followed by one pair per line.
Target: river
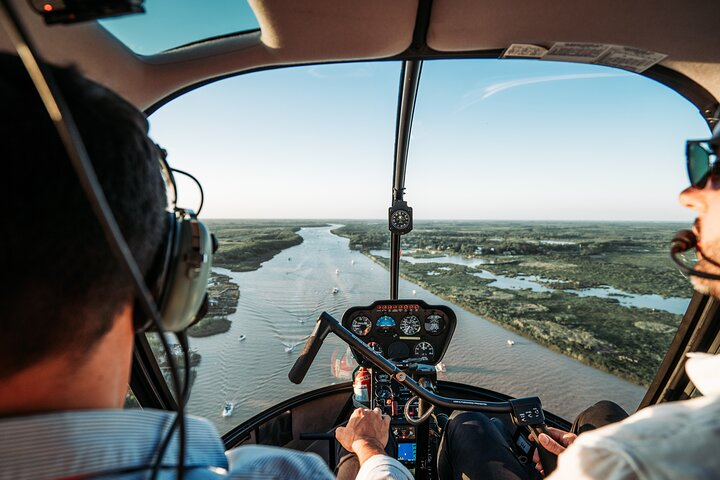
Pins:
x,y
278,306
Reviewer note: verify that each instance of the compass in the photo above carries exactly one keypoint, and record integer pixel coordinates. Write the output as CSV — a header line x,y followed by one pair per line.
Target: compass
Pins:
x,y
400,218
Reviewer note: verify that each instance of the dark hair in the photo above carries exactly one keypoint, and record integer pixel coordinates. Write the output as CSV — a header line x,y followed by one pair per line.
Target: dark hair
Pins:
x,y
61,284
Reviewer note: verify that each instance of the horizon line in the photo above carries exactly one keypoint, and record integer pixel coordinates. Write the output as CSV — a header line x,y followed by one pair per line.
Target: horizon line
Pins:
x,y
330,219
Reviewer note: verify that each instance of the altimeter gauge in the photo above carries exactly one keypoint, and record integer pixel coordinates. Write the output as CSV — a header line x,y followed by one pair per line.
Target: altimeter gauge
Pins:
x,y
410,325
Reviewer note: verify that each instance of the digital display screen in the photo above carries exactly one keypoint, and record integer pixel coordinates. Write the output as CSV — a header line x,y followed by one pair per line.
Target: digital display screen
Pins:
x,y
406,452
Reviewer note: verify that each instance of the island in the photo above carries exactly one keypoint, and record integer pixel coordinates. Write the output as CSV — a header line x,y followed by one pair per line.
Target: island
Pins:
x,y
223,296
246,244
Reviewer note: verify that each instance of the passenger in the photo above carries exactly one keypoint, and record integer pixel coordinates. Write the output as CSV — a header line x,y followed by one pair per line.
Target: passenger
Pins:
x,y
67,306
667,441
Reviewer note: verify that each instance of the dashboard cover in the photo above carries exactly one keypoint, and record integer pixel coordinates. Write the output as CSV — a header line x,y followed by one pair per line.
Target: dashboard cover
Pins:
x,y
402,330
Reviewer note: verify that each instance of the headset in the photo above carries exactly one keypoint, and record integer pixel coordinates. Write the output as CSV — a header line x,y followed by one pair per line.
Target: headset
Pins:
x,y
173,293
178,277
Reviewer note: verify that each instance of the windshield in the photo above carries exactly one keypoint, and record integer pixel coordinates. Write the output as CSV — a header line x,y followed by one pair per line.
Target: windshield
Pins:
x,y
544,200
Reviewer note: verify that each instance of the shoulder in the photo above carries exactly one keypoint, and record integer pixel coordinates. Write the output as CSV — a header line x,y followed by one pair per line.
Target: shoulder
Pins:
x,y
259,461
673,440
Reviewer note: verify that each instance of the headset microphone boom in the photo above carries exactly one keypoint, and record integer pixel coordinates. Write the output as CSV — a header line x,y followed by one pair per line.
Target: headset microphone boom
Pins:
x,y
683,241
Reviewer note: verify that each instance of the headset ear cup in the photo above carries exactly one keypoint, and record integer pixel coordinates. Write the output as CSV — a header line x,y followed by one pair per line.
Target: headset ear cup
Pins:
x,y
185,287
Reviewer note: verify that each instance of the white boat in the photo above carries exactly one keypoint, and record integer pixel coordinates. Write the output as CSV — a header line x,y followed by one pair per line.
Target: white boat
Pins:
x,y
440,367
352,262
511,342
291,344
241,338
337,271
335,290
228,408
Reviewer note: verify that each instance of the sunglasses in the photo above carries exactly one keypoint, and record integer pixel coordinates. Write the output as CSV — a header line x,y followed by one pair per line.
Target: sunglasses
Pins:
x,y
702,160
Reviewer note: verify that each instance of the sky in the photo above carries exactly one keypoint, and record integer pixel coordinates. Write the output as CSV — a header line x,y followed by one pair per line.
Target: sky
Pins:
x,y
492,139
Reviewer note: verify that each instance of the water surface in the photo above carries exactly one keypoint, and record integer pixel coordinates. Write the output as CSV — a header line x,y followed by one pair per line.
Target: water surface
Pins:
x,y
279,303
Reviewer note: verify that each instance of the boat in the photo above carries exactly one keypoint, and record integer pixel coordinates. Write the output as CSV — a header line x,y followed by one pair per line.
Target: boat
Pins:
x,y
335,290
337,271
228,409
291,344
511,342
241,338
440,367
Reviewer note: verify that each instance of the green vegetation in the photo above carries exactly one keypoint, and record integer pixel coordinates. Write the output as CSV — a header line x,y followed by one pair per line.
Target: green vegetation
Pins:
x,y
629,342
246,244
209,326
223,296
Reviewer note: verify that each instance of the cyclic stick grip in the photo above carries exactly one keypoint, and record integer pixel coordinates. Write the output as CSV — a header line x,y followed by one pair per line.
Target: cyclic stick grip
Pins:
x,y
527,412
548,460
312,346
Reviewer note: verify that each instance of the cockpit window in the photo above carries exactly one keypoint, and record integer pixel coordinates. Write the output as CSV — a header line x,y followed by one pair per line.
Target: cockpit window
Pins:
x,y
545,197
284,156
544,201
169,24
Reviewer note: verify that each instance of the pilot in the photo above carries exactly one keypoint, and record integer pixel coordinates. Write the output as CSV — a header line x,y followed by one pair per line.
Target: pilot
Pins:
x,y
67,307
666,441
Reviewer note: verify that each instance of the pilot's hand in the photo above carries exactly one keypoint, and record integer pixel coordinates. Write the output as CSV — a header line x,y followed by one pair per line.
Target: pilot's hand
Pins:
x,y
366,433
556,445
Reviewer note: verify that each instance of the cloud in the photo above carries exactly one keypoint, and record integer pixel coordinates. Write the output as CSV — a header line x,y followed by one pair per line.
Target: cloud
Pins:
x,y
477,95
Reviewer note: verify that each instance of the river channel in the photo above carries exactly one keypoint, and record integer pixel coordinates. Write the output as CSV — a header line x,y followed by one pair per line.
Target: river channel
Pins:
x,y
278,306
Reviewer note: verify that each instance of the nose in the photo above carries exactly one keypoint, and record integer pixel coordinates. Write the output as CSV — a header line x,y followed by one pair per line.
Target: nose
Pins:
x,y
693,199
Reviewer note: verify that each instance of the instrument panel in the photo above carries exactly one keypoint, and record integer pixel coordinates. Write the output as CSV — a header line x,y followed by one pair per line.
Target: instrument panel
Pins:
x,y
402,330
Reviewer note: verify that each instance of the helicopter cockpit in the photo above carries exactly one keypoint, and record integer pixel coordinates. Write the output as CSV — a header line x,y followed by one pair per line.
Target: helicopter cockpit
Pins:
x,y
476,202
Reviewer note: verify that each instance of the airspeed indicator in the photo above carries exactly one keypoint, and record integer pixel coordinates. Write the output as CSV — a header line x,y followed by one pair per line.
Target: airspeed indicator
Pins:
x,y
361,325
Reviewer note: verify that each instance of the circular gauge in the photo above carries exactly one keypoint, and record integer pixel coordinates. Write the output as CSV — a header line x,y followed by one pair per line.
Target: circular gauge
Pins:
x,y
385,325
383,393
410,325
400,219
376,347
424,349
361,325
434,324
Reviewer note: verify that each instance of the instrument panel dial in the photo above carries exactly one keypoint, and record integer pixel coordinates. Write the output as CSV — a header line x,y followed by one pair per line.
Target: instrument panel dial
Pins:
x,y
385,325
383,393
361,325
410,325
400,219
376,347
424,349
434,324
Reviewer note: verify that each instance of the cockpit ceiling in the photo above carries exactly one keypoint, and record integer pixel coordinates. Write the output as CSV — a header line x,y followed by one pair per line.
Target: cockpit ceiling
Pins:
x,y
295,32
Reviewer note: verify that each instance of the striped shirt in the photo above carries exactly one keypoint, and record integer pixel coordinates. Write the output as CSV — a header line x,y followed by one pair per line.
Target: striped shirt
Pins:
x,y
122,445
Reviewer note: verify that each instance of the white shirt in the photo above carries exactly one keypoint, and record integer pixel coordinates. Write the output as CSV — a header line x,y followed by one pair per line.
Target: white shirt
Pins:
x,y
678,440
